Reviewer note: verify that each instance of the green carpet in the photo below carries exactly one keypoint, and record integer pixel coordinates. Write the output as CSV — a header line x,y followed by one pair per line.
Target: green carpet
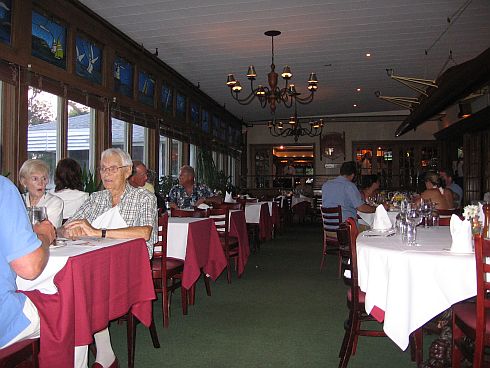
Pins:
x,y
283,312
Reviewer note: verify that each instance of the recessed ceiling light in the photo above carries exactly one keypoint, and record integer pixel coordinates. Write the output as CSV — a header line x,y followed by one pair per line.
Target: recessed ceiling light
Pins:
x,y
355,105
358,90
281,147
368,54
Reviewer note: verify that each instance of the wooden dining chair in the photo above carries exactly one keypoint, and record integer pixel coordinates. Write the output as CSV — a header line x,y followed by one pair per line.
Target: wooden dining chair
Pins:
x,y
196,213
355,325
167,273
20,354
472,320
221,218
331,219
229,205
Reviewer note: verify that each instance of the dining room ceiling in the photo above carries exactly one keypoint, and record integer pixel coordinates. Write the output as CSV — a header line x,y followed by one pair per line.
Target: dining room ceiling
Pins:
x,y
204,40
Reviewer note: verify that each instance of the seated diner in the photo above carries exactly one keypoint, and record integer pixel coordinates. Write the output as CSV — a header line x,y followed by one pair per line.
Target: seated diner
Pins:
x,y
120,211
441,197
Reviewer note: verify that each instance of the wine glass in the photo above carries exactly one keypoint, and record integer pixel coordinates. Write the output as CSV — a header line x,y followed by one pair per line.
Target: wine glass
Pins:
x,y
426,210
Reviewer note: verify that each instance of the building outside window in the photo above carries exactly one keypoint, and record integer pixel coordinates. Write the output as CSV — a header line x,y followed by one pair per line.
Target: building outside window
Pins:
x,y
43,127
139,143
163,156
175,157
119,134
81,145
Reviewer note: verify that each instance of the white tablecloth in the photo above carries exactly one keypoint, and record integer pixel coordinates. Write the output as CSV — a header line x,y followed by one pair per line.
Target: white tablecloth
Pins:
x,y
368,218
178,228
413,284
58,256
252,212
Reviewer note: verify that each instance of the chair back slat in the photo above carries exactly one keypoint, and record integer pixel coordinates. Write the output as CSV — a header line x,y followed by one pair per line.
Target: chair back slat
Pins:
x,y
176,212
221,218
331,217
229,205
160,247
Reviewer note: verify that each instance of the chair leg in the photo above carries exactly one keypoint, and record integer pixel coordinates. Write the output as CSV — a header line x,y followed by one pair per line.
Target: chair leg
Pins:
x,y
165,306
417,346
153,334
207,284
324,255
344,359
456,354
347,329
228,271
183,297
131,337
340,265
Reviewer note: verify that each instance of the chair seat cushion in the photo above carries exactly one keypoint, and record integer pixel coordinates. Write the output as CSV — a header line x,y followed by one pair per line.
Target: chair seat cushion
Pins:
x,y
15,347
362,295
466,312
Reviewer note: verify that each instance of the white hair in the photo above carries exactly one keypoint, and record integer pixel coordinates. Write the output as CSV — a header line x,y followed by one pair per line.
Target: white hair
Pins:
x,y
33,165
125,157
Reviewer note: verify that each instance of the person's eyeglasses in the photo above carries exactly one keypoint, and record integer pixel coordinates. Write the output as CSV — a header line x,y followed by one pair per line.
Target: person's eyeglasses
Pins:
x,y
39,179
110,169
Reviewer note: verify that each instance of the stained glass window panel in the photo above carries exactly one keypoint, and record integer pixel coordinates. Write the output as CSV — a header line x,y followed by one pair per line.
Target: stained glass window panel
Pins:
x,y
181,105
48,40
146,88
6,21
88,60
123,76
167,98
205,121
195,113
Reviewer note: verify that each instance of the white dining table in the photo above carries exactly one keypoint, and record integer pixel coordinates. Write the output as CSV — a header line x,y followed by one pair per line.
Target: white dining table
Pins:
x,y
412,285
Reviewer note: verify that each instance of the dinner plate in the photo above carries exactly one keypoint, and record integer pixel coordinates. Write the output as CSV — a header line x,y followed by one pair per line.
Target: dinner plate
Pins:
x,y
376,232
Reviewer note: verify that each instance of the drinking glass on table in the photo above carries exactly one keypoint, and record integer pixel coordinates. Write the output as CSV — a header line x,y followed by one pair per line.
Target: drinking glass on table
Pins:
x,y
37,214
426,210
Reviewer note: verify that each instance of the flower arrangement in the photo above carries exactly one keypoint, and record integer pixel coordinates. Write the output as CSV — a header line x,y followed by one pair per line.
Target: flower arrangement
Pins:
x,y
470,211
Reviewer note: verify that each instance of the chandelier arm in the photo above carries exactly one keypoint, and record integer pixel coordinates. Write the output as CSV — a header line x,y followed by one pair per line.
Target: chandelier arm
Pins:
x,y
305,100
243,101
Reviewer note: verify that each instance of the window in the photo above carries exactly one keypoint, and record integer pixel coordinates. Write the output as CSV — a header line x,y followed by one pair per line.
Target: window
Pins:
x,y
175,157
193,156
80,134
1,130
119,134
163,161
140,137
43,128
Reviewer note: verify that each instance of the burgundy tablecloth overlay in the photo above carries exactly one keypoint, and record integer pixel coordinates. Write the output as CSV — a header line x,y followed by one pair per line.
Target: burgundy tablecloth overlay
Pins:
x,y
93,289
238,229
204,251
265,222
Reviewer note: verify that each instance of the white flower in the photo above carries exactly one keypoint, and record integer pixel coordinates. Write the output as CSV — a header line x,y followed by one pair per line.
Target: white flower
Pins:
x,y
470,211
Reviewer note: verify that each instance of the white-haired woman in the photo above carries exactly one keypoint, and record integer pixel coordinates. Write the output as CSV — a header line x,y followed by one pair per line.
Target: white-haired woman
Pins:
x,y
120,212
34,176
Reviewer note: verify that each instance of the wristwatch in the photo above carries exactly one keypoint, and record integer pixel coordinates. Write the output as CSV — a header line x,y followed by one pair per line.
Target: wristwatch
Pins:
x,y
104,231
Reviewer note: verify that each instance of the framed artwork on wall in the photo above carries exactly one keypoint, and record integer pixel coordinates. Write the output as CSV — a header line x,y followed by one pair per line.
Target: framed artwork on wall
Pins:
x,y
48,39
6,21
332,145
123,76
146,88
88,59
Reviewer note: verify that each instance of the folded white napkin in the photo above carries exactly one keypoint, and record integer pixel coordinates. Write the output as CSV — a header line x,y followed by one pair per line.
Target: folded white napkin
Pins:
x,y
481,213
381,219
229,198
461,235
203,206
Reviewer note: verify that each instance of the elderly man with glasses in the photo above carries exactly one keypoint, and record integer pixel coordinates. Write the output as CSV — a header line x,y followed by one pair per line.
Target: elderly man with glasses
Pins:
x,y
120,212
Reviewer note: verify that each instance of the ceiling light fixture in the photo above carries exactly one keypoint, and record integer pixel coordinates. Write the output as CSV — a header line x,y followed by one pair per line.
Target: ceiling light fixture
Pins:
x,y
272,94
295,128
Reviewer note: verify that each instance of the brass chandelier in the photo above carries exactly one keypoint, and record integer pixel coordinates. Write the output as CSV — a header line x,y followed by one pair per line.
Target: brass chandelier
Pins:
x,y
295,129
272,94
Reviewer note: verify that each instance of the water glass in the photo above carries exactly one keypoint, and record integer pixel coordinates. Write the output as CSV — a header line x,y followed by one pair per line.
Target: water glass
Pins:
x,y
410,238
37,214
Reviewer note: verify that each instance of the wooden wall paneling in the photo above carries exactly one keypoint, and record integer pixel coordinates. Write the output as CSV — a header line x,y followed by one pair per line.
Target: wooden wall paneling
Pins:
x,y
472,149
486,162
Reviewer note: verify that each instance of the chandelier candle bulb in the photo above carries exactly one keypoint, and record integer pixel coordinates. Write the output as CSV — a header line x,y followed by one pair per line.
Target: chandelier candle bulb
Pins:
x,y
231,81
251,74
286,73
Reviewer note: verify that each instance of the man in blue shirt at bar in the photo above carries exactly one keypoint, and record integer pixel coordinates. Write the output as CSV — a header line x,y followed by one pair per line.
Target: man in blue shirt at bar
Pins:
x,y
24,254
342,191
